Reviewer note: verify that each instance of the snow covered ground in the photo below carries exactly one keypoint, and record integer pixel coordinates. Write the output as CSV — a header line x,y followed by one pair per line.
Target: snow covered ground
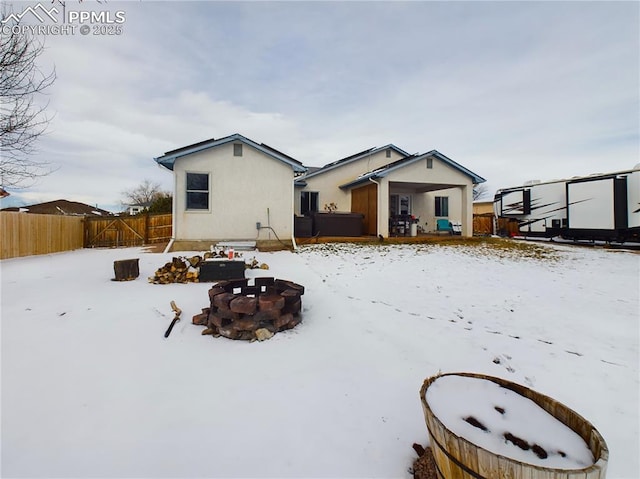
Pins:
x,y
90,386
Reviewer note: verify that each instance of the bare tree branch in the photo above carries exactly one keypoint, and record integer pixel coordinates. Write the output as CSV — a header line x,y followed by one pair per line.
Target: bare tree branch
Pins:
x,y
144,194
479,191
22,119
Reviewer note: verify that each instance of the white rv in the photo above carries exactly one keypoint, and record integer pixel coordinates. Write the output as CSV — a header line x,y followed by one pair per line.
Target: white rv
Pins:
x,y
595,207
540,208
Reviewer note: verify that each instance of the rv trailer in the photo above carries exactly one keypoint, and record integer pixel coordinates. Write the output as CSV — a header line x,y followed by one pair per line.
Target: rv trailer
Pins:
x,y
595,207
539,208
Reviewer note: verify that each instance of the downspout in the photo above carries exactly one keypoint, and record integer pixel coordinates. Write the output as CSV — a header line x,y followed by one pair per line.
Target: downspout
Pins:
x,y
293,217
168,248
378,205
173,211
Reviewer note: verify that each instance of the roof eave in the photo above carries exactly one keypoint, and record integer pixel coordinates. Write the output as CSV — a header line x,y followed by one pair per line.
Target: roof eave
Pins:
x,y
477,179
339,163
168,160
359,181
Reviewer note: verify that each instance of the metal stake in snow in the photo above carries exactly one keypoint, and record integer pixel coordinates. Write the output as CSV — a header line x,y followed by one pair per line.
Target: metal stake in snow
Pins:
x,y
178,311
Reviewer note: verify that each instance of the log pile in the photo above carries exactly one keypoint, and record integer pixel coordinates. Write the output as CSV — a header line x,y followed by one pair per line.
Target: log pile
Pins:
x,y
254,264
238,310
178,270
186,270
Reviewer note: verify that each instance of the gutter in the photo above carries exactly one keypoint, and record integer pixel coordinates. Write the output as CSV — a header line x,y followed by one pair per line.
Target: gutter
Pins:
x,y
377,201
293,220
174,214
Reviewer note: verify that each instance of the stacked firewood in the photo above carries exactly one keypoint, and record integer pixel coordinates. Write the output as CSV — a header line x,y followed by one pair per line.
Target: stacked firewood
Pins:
x,y
186,270
179,270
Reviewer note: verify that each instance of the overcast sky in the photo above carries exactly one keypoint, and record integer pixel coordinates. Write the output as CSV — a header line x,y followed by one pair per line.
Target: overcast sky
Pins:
x,y
513,91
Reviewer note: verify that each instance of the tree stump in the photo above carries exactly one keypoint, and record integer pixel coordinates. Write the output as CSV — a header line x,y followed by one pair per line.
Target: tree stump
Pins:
x,y
126,269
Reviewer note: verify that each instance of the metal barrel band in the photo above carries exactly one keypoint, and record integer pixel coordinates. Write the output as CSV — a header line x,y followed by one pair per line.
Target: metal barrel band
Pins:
x,y
462,466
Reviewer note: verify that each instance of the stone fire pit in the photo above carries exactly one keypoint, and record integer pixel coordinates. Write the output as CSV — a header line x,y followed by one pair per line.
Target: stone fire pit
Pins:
x,y
239,310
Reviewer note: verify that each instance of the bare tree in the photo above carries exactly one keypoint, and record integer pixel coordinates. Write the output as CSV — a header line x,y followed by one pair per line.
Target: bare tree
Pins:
x,y
22,118
479,191
144,194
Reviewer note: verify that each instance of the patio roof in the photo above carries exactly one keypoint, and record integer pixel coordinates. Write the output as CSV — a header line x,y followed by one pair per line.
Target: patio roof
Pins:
x,y
408,160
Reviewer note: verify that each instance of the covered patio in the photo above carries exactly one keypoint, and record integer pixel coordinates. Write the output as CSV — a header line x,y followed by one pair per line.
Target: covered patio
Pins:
x,y
411,190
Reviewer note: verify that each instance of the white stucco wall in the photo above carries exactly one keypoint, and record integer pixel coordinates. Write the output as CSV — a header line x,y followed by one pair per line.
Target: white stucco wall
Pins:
x,y
423,204
327,184
455,185
243,190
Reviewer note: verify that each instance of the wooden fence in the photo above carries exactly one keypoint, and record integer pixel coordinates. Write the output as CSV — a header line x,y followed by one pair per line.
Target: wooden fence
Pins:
x,y
483,225
127,230
24,234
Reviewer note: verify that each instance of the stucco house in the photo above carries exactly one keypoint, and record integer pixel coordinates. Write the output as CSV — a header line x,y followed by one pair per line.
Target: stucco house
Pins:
x,y
231,188
387,183
236,189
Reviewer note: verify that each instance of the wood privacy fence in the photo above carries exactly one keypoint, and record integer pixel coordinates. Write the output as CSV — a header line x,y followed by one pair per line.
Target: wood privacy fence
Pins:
x,y
127,230
24,234
483,225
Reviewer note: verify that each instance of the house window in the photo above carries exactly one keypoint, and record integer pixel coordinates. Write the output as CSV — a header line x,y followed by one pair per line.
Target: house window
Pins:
x,y
197,191
429,163
237,149
388,152
308,202
399,205
405,204
442,206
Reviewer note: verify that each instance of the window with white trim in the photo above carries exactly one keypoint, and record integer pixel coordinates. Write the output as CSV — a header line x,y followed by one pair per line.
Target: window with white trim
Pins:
x,y
197,191
308,202
442,206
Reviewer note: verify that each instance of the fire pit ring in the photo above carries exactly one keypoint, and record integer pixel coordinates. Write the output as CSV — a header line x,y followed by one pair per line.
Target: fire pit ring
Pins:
x,y
239,310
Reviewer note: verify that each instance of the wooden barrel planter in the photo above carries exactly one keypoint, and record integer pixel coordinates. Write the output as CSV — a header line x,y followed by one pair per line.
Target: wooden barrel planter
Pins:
x,y
457,457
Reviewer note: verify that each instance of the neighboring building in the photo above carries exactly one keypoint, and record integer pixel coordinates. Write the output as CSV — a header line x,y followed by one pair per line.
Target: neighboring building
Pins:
x,y
387,183
61,207
137,208
482,207
484,221
231,189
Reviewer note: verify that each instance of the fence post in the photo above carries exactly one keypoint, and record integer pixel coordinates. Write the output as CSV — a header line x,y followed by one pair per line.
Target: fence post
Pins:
x,y
146,226
85,232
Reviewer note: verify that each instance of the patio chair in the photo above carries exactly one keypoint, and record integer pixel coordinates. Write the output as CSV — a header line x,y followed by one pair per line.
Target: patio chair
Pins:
x,y
444,225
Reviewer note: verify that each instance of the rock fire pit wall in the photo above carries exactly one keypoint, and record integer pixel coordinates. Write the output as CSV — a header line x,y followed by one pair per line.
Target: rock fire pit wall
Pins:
x,y
239,310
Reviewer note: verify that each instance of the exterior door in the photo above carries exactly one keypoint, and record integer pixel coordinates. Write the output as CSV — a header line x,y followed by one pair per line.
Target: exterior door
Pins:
x,y
365,200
